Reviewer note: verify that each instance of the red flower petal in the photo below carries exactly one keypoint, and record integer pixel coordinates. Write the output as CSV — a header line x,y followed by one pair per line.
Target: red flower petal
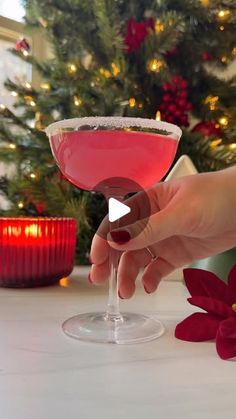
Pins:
x,y
198,327
226,338
231,289
212,306
200,282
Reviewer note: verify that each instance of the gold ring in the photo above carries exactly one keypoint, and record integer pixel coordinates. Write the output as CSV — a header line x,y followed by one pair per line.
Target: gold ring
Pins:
x,y
153,256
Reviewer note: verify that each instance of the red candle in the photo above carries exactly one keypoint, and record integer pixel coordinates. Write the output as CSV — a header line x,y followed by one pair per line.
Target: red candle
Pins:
x,y
36,251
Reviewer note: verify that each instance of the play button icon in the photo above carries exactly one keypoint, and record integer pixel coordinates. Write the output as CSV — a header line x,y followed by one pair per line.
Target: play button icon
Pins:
x,y
116,210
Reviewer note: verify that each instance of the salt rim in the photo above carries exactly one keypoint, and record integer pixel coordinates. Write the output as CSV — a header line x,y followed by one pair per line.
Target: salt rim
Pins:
x,y
117,121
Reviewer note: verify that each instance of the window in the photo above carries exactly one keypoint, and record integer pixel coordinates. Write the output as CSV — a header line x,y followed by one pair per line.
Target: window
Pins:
x,y
13,9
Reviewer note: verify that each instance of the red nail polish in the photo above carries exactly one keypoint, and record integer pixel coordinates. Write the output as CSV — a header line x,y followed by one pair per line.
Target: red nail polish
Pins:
x,y
89,279
148,292
121,236
120,296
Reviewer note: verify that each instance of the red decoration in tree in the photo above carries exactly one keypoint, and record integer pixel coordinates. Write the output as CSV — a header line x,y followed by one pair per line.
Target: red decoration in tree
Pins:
x,y
219,302
175,105
206,56
136,33
22,45
207,129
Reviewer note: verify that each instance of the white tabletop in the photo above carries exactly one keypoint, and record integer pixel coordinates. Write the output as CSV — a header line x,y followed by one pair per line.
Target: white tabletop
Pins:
x,y
46,375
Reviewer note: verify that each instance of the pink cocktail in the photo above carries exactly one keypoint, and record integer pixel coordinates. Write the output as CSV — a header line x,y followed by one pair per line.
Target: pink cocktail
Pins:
x,y
88,158
113,155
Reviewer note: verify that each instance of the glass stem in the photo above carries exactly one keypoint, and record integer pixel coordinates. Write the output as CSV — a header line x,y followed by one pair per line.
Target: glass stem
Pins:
x,y
113,311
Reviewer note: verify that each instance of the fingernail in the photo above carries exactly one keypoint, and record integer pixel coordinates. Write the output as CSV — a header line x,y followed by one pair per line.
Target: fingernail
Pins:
x,y
121,236
148,292
120,296
89,279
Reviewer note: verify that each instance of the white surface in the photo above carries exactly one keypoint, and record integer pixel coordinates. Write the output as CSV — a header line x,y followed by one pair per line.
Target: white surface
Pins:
x,y
46,375
116,209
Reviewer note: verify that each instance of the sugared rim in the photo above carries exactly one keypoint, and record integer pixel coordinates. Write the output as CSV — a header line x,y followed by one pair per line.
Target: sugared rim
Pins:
x,y
118,121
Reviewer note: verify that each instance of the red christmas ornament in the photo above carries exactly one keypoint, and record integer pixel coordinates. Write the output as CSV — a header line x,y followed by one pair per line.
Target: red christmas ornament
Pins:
x,y
22,45
40,207
136,33
206,56
175,105
207,129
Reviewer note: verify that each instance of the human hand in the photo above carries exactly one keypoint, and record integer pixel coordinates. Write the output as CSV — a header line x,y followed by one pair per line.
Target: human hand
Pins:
x,y
191,218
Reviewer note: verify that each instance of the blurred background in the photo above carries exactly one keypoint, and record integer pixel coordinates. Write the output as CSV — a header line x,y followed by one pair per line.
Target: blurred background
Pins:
x,y
172,61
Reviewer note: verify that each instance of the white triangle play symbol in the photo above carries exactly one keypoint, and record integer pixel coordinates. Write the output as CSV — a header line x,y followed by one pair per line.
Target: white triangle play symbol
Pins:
x,y
116,209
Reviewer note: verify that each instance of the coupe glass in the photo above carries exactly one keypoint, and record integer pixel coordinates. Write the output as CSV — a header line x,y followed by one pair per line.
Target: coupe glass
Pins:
x,y
110,154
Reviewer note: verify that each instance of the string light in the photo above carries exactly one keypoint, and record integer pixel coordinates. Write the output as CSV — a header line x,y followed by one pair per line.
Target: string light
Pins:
x,y
132,102
13,93
159,27
155,65
232,146
223,14
72,68
234,51
2,107
64,282
12,146
224,59
25,53
222,28
115,69
216,142
20,204
45,86
32,103
105,72
140,105
32,175
211,101
223,121
77,101
158,116
28,85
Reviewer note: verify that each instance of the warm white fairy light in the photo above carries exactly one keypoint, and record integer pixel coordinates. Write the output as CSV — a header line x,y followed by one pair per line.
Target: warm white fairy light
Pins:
x,y
28,85
77,101
232,146
25,53
132,102
45,86
32,103
12,146
158,116
72,68
223,14
3,107
13,93
32,175
223,121
20,204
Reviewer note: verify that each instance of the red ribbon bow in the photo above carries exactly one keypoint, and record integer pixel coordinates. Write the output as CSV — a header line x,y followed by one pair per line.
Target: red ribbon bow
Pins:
x,y
219,301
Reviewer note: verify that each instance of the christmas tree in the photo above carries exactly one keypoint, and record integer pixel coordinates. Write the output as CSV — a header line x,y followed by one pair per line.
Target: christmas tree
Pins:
x,y
147,58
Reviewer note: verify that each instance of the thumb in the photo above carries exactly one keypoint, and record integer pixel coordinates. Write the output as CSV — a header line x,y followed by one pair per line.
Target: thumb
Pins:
x,y
145,232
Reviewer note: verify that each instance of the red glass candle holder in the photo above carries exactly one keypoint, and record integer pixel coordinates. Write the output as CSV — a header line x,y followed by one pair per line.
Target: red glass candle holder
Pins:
x,y
36,251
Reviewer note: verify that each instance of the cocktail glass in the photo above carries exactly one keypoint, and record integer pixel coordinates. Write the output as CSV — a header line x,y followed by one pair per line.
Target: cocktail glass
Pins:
x,y
109,154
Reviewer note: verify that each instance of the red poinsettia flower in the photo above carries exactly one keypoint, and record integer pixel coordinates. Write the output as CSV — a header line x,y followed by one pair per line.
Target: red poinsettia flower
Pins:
x,y
136,33
219,301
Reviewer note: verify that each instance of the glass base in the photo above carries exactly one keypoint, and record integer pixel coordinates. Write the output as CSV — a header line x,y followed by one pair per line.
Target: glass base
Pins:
x,y
124,328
